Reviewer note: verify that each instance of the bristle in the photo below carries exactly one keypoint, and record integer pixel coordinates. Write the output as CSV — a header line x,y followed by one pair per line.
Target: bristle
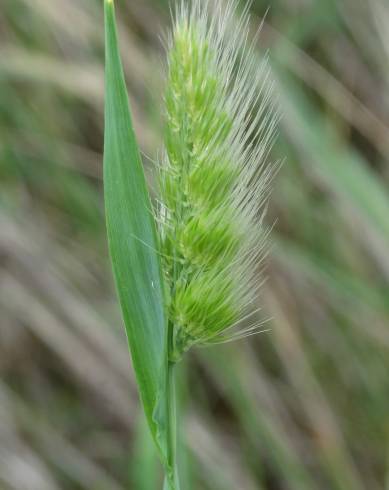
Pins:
x,y
214,180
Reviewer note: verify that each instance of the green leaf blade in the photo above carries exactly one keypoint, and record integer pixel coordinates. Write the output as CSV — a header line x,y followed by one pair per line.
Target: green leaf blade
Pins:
x,y
132,242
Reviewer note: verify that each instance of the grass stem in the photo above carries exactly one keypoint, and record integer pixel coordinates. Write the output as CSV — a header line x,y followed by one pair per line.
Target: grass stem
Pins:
x,y
172,479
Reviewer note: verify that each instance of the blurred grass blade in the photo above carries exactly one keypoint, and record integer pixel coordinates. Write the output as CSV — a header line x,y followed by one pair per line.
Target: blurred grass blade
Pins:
x,y
132,241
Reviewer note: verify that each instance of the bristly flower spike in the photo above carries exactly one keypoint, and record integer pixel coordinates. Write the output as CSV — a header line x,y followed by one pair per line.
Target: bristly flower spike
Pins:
x,y
214,178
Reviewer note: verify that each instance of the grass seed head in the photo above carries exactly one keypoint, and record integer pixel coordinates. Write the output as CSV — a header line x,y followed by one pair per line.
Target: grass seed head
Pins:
x,y
220,125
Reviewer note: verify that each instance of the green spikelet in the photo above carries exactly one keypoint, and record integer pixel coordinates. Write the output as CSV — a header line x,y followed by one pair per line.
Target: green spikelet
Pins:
x,y
219,128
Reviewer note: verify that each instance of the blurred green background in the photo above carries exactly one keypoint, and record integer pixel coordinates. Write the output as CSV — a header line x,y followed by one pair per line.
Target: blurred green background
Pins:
x,y
304,406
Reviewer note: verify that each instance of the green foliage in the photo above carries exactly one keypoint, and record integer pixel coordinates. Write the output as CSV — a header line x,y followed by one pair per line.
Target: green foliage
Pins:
x,y
212,191
132,243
